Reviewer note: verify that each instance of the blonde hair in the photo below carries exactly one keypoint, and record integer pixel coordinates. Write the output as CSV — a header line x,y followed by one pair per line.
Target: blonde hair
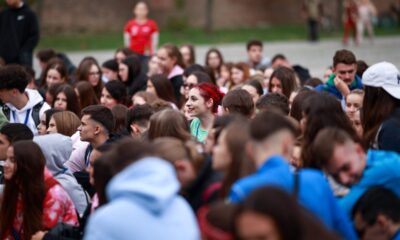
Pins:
x,y
67,122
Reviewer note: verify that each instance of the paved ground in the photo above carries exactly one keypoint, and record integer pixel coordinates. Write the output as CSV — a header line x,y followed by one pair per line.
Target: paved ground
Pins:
x,y
316,57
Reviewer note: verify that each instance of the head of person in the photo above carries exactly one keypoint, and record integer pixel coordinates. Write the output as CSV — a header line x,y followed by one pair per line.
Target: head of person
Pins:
x,y
141,10
254,51
355,120
225,74
96,154
10,133
191,69
321,110
169,123
113,93
255,89
382,97
361,67
153,66
24,180
214,59
129,69
143,97
183,155
203,99
45,120
267,77
122,53
345,65
354,101
283,81
54,73
120,116
109,70
162,87
313,82
273,102
96,121
44,56
65,123
192,80
90,71
86,94
377,213
188,54
13,81
279,60
277,136
66,99
14,3
240,73
342,158
169,57
238,101
138,119
229,156
296,111
271,213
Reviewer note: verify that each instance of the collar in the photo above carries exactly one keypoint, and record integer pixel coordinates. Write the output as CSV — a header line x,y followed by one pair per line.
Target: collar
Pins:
x,y
273,162
177,70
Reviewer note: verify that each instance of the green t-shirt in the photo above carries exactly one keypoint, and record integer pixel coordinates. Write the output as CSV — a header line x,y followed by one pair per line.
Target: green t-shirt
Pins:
x,y
196,131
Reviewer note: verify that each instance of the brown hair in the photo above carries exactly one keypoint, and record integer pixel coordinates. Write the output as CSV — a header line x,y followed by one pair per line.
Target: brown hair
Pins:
x,y
192,59
173,52
28,182
83,73
239,101
120,113
149,98
72,99
221,58
169,123
344,56
287,77
57,65
163,87
244,67
67,122
87,96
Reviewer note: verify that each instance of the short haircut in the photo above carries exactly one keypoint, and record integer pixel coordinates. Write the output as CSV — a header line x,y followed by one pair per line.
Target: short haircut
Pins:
x,y
344,56
325,142
102,115
193,68
46,54
265,124
239,101
375,201
278,56
16,132
13,77
274,102
253,43
139,115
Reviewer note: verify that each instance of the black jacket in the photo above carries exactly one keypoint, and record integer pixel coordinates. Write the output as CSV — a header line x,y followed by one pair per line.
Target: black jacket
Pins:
x,y
19,33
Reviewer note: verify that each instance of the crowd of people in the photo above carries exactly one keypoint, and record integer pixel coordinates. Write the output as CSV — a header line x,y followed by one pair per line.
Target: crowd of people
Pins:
x,y
152,145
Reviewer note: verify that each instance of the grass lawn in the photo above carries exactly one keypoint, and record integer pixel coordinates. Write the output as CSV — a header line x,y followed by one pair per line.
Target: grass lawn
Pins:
x,y
102,41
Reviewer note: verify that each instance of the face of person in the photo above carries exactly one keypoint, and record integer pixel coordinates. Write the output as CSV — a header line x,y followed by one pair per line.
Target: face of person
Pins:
x,y
185,51
61,101
52,126
189,83
353,104
94,75
123,72
255,54
356,122
93,156
276,86
141,10
53,77
119,57
166,62
347,163
154,65
4,144
87,129
107,100
267,74
137,100
253,92
378,231
237,76
10,166
345,72
252,226
109,74
7,95
222,158
213,60
41,127
150,88
196,104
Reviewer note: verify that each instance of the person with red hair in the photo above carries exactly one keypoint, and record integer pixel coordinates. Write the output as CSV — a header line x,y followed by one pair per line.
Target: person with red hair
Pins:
x,y
202,105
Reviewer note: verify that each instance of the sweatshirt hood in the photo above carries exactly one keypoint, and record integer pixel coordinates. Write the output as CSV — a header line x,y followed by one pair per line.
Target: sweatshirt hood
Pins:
x,y
150,182
56,149
34,98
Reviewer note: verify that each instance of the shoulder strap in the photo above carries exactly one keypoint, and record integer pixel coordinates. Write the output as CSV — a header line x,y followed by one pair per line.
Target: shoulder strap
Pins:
x,y
36,112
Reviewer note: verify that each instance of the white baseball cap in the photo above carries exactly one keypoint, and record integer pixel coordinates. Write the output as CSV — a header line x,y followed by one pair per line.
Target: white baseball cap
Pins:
x,y
385,75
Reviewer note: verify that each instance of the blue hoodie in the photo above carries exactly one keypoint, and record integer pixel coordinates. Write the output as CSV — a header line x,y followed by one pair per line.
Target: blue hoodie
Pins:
x,y
144,204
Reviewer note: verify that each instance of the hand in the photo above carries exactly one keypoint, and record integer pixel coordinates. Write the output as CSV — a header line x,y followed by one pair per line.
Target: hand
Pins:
x,y
38,235
341,86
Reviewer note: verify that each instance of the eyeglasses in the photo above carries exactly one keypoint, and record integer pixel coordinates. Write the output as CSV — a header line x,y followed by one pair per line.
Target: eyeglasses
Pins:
x,y
189,85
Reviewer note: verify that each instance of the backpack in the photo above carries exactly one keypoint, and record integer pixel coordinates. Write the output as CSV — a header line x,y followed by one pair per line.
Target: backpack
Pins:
x,y
35,112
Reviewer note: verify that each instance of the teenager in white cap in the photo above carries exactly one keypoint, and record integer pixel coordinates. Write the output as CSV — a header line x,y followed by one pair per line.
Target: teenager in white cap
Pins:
x,y
381,107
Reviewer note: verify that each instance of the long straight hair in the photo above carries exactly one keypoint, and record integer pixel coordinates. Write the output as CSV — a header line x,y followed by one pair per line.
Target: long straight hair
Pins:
x,y
27,182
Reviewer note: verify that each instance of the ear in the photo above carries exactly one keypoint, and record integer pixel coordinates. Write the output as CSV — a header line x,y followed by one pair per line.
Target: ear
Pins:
x,y
97,130
210,103
180,165
383,222
135,129
226,110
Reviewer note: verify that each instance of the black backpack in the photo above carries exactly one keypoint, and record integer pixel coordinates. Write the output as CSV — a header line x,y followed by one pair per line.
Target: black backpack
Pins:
x,y
35,112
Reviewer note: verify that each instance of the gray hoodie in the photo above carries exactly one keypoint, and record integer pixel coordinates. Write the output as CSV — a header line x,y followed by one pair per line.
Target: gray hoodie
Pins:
x,y
56,149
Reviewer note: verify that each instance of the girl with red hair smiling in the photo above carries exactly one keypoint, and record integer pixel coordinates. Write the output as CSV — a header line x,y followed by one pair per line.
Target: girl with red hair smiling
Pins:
x,y
202,106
